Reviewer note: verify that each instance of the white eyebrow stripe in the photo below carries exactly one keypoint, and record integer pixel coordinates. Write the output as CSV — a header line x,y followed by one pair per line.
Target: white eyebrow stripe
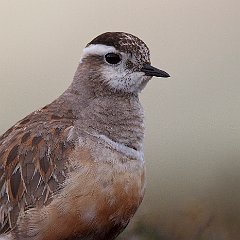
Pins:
x,y
97,49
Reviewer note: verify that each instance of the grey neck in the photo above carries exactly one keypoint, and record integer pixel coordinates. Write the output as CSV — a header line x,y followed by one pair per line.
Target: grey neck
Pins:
x,y
119,119
116,115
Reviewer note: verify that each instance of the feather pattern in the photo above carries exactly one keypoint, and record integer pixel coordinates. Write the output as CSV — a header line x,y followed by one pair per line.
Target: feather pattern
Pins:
x,y
33,154
74,169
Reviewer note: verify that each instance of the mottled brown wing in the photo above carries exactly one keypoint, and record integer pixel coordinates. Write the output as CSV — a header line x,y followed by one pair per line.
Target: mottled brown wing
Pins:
x,y
33,156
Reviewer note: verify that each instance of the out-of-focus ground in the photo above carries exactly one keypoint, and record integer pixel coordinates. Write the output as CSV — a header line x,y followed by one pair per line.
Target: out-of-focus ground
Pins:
x,y
192,144
196,222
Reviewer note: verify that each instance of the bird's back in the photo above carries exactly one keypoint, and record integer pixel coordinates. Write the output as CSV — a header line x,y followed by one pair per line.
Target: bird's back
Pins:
x,y
32,161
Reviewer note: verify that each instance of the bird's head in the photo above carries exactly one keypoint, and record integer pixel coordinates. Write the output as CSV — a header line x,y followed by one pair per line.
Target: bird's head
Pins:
x,y
118,61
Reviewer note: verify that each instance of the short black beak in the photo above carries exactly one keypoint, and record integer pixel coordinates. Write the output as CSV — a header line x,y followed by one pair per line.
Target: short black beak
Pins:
x,y
152,71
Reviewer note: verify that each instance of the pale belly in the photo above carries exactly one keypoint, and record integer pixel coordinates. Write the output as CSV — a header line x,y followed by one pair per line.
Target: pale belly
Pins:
x,y
97,201
109,200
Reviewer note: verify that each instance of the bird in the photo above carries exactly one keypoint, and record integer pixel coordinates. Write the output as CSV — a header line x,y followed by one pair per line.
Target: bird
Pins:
x,y
74,169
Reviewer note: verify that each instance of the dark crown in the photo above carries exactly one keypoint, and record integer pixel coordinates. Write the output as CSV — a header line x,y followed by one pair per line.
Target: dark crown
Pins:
x,y
123,42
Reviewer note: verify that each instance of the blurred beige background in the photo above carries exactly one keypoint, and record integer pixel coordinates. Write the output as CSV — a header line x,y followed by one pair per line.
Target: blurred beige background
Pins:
x,y
192,140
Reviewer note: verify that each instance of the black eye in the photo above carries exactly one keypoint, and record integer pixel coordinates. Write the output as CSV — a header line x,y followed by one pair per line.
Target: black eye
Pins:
x,y
112,58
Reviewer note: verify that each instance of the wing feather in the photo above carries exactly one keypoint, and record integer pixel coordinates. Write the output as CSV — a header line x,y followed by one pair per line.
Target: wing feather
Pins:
x,y
33,161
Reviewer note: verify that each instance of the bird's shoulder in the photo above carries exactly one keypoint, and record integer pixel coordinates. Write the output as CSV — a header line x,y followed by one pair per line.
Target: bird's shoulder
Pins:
x,y
33,155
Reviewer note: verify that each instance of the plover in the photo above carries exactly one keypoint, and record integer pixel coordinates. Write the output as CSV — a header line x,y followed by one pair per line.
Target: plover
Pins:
x,y
74,169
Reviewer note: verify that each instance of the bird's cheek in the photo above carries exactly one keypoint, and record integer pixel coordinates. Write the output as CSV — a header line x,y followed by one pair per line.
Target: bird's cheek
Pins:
x,y
143,83
138,77
147,78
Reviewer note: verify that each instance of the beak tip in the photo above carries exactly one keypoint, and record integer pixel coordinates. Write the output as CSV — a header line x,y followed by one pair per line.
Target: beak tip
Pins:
x,y
152,71
167,75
